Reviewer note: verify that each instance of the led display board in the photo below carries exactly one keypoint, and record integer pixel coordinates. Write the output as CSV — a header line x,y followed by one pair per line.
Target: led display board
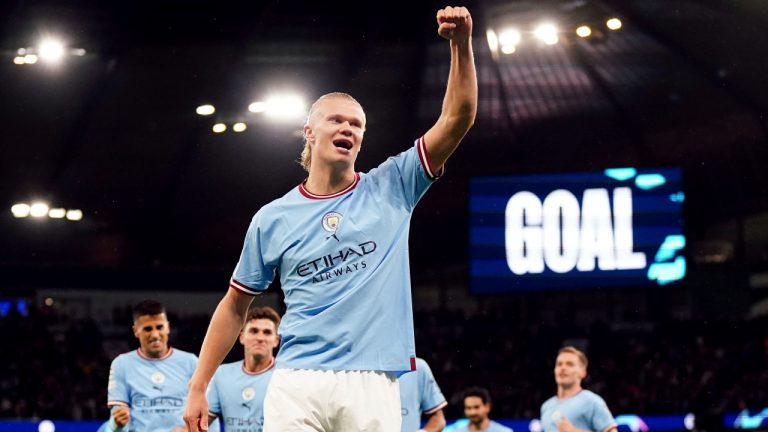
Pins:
x,y
618,227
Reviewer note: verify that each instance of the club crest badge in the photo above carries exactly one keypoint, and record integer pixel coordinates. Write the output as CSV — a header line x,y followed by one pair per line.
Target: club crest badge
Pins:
x,y
157,378
331,223
248,394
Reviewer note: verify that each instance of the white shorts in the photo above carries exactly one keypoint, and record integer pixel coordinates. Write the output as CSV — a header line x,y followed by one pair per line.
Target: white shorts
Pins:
x,y
331,401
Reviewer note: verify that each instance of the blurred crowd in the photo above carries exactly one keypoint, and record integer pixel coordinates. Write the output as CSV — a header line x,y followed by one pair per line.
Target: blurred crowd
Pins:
x,y
55,366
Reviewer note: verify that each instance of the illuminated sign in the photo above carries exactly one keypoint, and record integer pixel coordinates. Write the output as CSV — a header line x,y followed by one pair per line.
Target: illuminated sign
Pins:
x,y
617,227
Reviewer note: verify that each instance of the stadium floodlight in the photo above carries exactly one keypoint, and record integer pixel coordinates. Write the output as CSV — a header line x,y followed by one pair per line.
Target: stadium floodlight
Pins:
x,y
38,209
257,107
583,31
219,128
508,49
613,24
285,107
493,41
20,210
205,110
546,33
239,127
51,50
30,59
509,37
19,60
57,213
74,215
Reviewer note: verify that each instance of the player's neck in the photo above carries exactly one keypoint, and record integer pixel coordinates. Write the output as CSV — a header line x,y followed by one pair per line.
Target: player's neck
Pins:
x,y
326,180
483,425
255,365
566,392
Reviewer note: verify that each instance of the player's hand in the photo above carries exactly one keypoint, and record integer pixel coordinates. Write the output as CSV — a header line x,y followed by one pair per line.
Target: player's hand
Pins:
x,y
564,425
454,24
121,415
196,411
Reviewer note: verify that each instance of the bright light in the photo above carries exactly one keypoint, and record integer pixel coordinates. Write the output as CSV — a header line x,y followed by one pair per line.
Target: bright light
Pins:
x,y
239,127
613,23
30,59
48,301
509,37
57,213
51,51
257,107
38,209
584,31
46,425
508,49
546,33
19,60
78,52
75,215
493,41
219,128
20,210
205,110
21,51
285,107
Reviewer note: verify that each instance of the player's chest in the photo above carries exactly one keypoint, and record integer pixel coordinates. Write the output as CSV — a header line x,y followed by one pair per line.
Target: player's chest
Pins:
x,y
152,380
351,226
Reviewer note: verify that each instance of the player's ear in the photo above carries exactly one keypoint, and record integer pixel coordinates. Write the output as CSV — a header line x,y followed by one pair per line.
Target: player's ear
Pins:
x,y
135,330
309,134
240,338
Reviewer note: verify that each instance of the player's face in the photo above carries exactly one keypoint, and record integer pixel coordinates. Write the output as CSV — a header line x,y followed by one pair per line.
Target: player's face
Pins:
x,y
568,370
335,132
152,332
259,338
475,410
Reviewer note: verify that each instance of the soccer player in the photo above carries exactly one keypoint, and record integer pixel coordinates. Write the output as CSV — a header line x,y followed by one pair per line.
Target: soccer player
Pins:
x,y
420,394
148,387
236,393
574,409
340,243
477,406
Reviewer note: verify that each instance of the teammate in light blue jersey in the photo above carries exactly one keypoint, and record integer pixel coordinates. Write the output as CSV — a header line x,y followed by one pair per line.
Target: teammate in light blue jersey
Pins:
x,y
420,394
236,393
340,243
574,409
477,407
147,388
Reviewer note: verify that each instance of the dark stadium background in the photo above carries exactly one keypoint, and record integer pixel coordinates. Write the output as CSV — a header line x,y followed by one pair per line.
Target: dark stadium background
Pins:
x,y
166,202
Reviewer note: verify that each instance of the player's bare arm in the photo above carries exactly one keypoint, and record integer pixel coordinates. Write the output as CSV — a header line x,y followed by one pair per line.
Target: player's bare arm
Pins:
x,y
226,322
436,422
460,102
121,415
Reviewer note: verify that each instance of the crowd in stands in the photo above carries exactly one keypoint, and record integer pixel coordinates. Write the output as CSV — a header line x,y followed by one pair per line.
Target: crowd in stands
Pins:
x,y
55,366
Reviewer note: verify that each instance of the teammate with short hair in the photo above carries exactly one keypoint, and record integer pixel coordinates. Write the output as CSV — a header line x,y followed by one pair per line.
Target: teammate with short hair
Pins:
x,y
420,394
340,243
574,409
237,390
147,387
477,407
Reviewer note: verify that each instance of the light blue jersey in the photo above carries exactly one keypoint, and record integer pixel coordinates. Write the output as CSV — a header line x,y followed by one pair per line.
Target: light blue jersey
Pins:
x,y
419,394
492,427
154,389
343,261
585,410
236,397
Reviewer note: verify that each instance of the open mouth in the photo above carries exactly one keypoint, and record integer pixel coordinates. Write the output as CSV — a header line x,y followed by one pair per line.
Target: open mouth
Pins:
x,y
343,143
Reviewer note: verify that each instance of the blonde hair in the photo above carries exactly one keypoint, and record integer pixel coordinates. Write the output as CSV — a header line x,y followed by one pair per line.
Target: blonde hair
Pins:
x,y
306,153
572,350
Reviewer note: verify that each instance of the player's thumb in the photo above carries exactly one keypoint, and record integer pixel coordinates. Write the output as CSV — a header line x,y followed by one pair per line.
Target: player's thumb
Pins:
x,y
203,422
